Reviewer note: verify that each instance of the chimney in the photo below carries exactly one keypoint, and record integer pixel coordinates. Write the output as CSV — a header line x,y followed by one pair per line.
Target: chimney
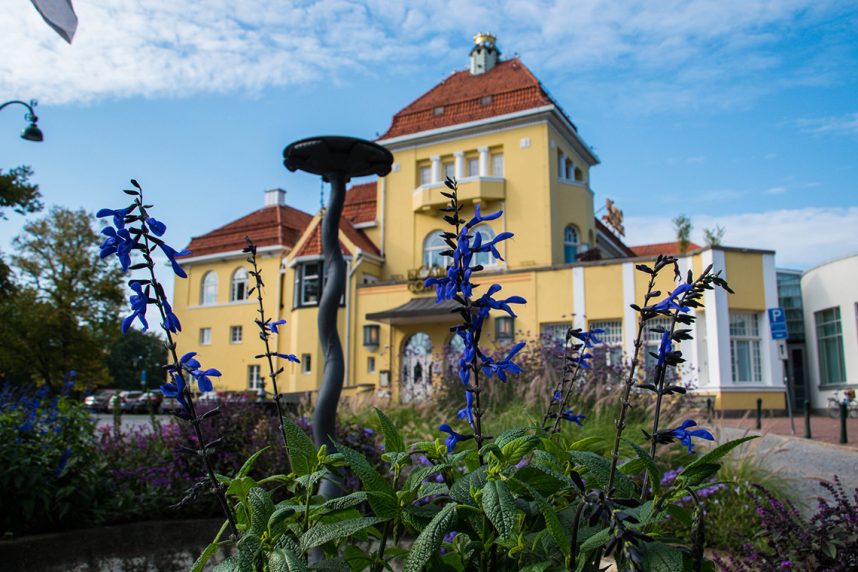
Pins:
x,y
484,54
275,197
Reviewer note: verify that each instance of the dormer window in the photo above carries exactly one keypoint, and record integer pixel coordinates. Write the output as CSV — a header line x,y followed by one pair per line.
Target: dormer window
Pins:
x,y
486,100
438,110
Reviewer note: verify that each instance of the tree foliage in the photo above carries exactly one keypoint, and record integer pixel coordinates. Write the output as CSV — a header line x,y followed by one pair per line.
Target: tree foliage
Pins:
x,y
134,352
65,304
683,226
17,193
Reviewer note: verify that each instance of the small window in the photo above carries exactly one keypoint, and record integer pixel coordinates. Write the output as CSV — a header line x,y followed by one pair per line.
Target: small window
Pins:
x,y
306,364
370,364
254,377
425,174
829,341
745,357
205,336
504,327
371,335
368,278
486,100
579,175
612,339
433,246
208,289
308,280
473,167
449,170
497,165
235,334
570,244
438,110
238,290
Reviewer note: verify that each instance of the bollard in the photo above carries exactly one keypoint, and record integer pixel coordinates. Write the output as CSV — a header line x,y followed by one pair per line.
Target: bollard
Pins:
x,y
807,420
709,409
759,414
843,413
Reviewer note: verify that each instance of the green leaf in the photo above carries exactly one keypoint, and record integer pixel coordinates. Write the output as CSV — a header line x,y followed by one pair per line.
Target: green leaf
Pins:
x,y
694,475
322,533
392,439
341,503
718,452
679,513
248,464
518,448
284,560
599,468
248,549
417,476
200,563
511,435
302,452
658,557
552,521
429,540
598,540
381,497
653,470
499,506
240,487
592,444
229,564
461,489
334,565
261,509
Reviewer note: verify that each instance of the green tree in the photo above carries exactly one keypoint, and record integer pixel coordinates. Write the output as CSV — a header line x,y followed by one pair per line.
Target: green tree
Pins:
x,y
65,308
17,193
714,236
134,352
682,225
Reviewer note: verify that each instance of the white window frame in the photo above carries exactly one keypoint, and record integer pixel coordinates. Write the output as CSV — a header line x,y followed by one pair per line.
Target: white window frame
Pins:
x,y
424,175
449,170
612,339
254,377
836,339
433,245
238,285
652,343
485,259
497,165
370,364
745,333
302,278
208,288
205,336
236,334
306,363
472,166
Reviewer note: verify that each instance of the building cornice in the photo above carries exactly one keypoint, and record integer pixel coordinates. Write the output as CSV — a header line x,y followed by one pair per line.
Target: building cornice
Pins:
x,y
228,255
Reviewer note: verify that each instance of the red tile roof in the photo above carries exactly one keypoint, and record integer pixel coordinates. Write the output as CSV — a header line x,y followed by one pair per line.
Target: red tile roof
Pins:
x,y
360,203
267,226
313,245
462,97
671,248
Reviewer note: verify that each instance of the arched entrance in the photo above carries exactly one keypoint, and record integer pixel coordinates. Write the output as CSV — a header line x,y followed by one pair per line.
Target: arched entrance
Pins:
x,y
416,378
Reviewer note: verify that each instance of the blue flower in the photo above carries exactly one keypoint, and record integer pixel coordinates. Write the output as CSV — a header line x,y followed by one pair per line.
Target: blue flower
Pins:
x,y
557,395
119,243
171,254
589,338
467,412
274,325
117,214
454,437
570,416
157,227
290,357
684,436
499,368
139,302
175,388
582,360
188,362
670,303
478,217
171,323
486,303
664,347
202,377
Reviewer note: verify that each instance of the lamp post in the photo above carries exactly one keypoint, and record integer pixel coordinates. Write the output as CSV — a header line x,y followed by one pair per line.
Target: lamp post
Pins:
x,y
337,160
32,131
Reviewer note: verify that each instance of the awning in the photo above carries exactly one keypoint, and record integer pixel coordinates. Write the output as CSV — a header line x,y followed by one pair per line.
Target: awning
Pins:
x,y
417,311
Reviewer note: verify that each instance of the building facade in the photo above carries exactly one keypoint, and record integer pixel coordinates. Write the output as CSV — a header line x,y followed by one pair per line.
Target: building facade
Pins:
x,y
830,301
511,147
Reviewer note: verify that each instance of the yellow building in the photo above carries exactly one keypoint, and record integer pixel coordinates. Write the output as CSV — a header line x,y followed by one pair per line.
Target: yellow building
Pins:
x,y
495,129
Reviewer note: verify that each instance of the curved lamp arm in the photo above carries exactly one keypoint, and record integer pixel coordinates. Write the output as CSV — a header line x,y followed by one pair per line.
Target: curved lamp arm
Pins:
x,y
32,131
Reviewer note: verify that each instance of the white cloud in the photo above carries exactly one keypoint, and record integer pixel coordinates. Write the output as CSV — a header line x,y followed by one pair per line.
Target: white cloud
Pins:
x,y
842,125
667,54
801,237
775,191
770,156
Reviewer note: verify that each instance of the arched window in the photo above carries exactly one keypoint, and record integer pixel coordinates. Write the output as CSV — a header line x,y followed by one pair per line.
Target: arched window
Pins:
x,y
238,288
486,234
433,246
570,244
208,289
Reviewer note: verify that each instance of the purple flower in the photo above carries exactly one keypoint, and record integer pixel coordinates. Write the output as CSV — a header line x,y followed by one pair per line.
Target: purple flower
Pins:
x,y
683,435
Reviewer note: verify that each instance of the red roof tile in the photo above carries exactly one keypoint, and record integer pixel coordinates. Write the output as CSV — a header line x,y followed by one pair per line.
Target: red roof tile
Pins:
x,y
266,227
313,245
671,248
360,203
462,97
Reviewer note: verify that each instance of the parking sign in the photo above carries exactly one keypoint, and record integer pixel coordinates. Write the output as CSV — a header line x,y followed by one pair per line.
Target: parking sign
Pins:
x,y
777,323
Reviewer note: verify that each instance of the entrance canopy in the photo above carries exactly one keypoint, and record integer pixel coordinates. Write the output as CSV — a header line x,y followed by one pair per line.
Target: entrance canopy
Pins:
x,y
418,311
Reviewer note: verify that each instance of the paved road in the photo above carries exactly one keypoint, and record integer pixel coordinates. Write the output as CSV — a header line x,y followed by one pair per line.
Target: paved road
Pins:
x,y
804,462
130,420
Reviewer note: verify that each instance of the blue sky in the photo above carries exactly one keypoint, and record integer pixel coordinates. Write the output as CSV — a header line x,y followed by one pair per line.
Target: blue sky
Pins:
x,y
738,113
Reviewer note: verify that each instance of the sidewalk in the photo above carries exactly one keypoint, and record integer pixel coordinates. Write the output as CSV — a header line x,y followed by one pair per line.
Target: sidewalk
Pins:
x,y
822,428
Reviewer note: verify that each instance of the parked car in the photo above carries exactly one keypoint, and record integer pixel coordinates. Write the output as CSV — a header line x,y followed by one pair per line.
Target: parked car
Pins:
x,y
99,402
170,406
150,399
129,401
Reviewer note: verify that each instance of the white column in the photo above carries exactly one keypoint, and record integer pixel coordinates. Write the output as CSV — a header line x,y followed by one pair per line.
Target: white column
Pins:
x,y
772,366
630,317
460,164
688,370
717,324
578,298
436,168
484,161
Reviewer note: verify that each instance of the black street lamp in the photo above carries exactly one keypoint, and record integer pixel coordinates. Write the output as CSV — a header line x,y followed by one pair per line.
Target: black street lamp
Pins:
x,y
32,131
337,160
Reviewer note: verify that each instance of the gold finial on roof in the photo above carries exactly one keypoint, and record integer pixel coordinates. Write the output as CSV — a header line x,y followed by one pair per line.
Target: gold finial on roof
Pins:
x,y
485,38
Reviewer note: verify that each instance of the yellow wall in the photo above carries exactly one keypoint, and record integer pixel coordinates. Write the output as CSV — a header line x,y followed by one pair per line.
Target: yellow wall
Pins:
x,y
603,291
745,276
747,400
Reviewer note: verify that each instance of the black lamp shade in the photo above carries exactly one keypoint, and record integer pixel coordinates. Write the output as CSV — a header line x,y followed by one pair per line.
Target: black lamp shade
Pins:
x,y
32,133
